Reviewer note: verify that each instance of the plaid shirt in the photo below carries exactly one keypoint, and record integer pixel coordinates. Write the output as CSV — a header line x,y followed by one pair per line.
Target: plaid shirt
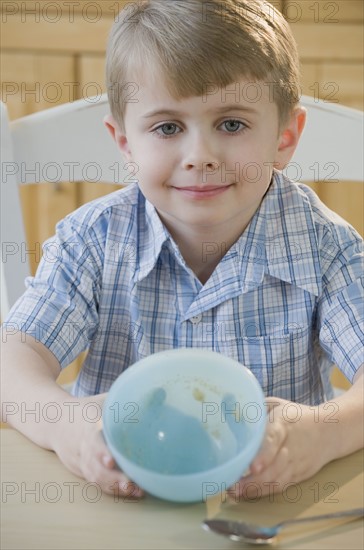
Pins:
x,y
286,300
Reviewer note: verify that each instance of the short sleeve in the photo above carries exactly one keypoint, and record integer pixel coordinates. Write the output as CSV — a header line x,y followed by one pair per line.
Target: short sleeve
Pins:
x,y
60,306
341,306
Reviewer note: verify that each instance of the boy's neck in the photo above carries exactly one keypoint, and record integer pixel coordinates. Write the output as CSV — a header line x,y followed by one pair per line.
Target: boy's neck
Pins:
x,y
204,248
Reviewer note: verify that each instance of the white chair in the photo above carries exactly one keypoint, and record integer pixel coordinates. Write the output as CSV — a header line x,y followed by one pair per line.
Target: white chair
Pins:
x,y
70,143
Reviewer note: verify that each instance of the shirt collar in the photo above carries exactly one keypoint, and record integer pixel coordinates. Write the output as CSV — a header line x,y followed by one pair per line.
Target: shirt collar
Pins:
x,y
292,250
280,240
152,234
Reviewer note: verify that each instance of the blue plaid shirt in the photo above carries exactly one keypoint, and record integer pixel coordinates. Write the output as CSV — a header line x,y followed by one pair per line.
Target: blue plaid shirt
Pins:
x,y
286,300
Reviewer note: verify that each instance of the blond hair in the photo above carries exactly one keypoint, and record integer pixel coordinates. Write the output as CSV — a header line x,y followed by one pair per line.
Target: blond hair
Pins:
x,y
196,44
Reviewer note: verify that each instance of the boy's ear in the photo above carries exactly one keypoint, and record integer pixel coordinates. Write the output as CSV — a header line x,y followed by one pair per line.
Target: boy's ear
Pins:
x,y
118,136
290,136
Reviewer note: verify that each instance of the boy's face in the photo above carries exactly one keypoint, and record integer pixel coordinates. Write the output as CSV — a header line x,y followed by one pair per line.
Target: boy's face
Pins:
x,y
206,162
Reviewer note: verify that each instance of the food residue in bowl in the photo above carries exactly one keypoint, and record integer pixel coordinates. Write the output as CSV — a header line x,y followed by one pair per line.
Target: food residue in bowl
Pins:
x,y
198,395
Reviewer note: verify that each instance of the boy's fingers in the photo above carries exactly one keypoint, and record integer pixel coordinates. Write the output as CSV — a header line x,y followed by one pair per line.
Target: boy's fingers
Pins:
x,y
112,481
108,461
130,489
100,467
103,452
271,480
273,441
122,486
251,487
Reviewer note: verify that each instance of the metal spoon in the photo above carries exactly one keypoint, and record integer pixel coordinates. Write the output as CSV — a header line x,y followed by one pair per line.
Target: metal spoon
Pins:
x,y
257,534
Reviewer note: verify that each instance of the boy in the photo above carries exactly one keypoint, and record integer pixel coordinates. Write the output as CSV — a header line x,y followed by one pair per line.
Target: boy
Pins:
x,y
213,247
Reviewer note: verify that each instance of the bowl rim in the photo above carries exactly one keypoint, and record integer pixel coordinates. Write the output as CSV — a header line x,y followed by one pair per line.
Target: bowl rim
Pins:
x,y
144,363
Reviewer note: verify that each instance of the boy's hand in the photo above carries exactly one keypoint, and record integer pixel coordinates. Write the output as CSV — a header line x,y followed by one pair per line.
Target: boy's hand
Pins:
x,y
76,439
289,453
301,439
82,449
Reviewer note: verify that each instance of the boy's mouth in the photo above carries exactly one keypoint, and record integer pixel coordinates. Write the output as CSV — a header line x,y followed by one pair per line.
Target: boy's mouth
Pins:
x,y
203,191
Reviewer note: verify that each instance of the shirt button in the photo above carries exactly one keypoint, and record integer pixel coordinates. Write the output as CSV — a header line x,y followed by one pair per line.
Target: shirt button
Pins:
x,y
196,319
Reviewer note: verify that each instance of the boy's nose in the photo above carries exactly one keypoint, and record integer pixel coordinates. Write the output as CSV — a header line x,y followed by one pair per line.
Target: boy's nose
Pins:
x,y
200,155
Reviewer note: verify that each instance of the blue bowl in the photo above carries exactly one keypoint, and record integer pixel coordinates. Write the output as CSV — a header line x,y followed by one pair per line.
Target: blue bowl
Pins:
x,y
185,423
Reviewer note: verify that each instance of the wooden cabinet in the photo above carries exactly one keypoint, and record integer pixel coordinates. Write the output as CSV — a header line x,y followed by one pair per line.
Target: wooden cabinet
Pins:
x,y
330,41
53,53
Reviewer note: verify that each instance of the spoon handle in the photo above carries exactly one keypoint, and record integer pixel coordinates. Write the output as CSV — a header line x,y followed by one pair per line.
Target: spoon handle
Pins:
x,y
354,512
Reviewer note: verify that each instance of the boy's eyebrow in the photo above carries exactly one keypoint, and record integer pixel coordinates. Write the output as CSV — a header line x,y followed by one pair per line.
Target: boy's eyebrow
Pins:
x,y
234,107
219,110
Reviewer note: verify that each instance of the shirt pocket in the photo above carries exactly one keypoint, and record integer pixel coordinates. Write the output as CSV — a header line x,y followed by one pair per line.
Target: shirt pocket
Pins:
x,y
284,364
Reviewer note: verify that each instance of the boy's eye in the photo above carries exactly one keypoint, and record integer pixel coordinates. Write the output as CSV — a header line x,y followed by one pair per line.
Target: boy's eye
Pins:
x,y
167,129
233,126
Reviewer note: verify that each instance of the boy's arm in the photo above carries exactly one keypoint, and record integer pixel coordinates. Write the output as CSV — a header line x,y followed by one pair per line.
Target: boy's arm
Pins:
x,y
33,403
301,439
347,435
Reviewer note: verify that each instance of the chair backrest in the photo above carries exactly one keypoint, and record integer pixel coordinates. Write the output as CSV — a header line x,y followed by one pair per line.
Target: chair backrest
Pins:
x,y
70,143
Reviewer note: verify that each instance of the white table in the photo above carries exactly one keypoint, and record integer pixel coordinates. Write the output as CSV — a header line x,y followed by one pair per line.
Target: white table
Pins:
x,y
45,506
